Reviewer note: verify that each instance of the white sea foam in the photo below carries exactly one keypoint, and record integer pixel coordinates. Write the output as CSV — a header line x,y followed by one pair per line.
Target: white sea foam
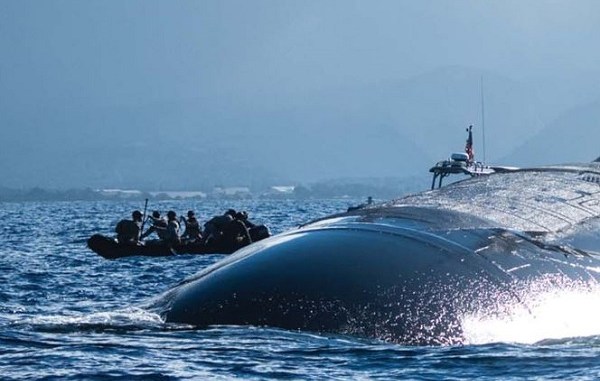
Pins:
x,y
122,317
551,313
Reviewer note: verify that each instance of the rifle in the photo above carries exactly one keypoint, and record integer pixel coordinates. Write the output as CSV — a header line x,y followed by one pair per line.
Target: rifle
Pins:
x,y
143,219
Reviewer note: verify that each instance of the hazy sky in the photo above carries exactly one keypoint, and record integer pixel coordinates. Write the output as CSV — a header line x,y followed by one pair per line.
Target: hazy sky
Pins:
x,y
82,55
140,51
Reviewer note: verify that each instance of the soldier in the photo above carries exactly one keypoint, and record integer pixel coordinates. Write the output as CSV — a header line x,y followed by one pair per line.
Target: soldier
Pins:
x,y
172,233
192,231
159,226
128,231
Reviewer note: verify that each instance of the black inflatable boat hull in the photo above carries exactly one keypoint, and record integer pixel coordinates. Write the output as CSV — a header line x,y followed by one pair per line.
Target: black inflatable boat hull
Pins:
x,y
109,248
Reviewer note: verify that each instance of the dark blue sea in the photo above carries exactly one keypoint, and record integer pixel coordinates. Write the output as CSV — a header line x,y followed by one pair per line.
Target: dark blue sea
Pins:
x,y
68,314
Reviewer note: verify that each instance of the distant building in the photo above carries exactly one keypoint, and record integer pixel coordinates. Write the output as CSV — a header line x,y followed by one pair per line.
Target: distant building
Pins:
x,y
231,192
121,193
279,191
179,194
162,195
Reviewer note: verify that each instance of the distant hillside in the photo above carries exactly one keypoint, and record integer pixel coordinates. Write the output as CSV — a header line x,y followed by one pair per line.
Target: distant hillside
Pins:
x,y
180,147
384,130
573,137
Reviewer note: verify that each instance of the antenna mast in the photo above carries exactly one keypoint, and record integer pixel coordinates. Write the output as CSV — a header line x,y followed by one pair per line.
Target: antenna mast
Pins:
x,y
483,119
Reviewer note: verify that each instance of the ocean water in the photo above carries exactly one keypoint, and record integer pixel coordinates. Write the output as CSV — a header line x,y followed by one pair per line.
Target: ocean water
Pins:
x,y
66,313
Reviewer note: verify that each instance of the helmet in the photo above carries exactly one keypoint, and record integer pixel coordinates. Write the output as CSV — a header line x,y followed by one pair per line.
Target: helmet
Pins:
x,y
156,214
171,214
190,213
136,214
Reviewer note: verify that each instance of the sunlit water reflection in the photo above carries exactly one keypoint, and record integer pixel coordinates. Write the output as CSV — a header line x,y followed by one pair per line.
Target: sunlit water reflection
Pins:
x,y
66,313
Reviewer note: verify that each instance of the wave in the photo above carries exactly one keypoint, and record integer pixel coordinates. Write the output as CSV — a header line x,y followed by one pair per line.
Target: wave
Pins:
x,y
127,319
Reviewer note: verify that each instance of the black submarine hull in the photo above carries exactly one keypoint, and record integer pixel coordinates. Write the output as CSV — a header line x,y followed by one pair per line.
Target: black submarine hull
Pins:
x,y
409,270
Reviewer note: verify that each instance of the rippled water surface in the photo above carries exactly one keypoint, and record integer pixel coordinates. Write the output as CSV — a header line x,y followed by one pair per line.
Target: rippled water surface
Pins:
x,y
66,313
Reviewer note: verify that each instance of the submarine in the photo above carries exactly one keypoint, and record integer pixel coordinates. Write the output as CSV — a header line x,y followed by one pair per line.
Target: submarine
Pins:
x,y
409,270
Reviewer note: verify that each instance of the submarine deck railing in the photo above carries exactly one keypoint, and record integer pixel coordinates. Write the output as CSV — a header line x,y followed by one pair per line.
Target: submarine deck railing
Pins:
x,y
449,167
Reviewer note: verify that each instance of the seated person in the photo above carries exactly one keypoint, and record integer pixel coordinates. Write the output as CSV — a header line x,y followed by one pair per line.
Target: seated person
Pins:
x,y
213,228
236,234
128,231
192,228
243,216
159,226
172,231
226,229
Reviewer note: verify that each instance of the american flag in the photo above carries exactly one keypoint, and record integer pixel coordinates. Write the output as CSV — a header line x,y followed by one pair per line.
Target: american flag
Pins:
x,y
469,145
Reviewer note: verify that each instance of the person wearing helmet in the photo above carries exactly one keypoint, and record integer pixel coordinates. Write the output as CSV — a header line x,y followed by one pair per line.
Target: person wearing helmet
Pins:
x,y
236,234
172,233
128,231
214,228
243,217
159,226
192,231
